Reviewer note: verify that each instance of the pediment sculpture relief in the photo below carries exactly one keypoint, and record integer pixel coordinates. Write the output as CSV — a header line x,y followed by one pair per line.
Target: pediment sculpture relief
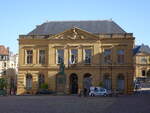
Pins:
x,y
73,34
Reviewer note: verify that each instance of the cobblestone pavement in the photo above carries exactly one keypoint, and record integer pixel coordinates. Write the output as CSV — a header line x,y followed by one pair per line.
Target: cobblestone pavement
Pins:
x,y
74,104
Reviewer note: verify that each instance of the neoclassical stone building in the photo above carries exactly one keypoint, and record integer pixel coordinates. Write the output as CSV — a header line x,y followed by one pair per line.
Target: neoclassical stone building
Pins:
x,y
142,61
93,52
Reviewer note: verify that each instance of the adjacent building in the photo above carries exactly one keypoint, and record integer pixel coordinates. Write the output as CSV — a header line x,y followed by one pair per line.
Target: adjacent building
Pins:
x,y
4,60
92,52
8,68
142,61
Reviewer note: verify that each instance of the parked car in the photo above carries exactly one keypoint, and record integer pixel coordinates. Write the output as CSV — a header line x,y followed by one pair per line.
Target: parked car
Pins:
x,y
98,91
44,91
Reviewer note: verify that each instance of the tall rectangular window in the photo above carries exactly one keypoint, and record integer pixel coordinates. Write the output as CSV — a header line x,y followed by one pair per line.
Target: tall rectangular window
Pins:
x,y
107,56
42,57
88,56
60,56
5,65
73,56
29,56
143,60
120,56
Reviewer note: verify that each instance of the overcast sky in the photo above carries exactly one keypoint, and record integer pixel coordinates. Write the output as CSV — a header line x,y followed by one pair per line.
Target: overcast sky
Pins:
x,y
21,16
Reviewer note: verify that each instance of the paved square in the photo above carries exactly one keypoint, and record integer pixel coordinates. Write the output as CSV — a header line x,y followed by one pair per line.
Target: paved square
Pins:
x,y
74,104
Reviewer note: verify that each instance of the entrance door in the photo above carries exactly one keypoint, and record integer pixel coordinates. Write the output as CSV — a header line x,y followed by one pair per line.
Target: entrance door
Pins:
x,y
60,83
121,82
73,83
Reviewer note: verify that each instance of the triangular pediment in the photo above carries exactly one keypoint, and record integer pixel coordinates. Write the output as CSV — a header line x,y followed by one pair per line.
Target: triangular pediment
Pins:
x,y
75,34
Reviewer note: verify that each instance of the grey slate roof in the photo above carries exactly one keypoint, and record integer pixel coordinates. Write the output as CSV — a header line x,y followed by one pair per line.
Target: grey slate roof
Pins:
x,y
141,49
95,27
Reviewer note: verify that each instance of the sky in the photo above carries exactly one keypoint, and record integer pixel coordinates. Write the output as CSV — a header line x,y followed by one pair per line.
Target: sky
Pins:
x,y
19,17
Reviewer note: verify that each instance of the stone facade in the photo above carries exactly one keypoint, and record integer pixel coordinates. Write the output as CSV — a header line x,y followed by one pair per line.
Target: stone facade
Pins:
x,y
75,73
142,61
4,60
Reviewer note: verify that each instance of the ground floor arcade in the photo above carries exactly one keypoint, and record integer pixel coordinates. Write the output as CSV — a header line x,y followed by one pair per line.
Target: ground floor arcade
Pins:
x,y
74,80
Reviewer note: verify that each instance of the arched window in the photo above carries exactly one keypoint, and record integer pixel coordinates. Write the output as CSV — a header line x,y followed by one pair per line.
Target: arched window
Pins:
x,y
28,81
120,82
143,72
148,73
87,81
107,81
41,80
74,83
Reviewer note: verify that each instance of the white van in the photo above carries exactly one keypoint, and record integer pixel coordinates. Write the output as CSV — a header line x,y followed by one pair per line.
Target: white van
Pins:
x,y
98,91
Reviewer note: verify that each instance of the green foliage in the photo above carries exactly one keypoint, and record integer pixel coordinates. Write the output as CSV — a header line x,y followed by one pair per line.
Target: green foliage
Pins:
x,y
3,84
44,86
100,84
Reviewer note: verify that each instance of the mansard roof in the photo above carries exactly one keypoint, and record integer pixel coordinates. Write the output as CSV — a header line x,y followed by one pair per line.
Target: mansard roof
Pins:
x,y
141,49
95,27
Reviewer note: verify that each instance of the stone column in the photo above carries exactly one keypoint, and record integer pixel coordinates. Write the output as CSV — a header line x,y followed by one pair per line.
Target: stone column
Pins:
x,y
66,56
52,80
80,81
114,80
35,83
21,84
34,56
80,55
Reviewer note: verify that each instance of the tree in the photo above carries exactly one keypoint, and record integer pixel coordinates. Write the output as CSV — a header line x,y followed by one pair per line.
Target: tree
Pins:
x,y
3,84
44,86
101,84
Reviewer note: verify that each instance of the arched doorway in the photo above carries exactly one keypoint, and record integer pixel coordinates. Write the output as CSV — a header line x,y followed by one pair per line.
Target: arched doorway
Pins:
x,y
41,79
148,73
107,81
73,83
28,81
143,73
121,82
87,81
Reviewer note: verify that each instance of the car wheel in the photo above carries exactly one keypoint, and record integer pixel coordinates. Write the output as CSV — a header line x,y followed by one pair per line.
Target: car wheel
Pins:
x,y
105,95
92,95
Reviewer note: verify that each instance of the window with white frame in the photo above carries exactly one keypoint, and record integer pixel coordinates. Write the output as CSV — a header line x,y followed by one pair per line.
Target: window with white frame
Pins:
x,y
120,56
29,56
107,56
60,56
41,56
88,56
73,56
